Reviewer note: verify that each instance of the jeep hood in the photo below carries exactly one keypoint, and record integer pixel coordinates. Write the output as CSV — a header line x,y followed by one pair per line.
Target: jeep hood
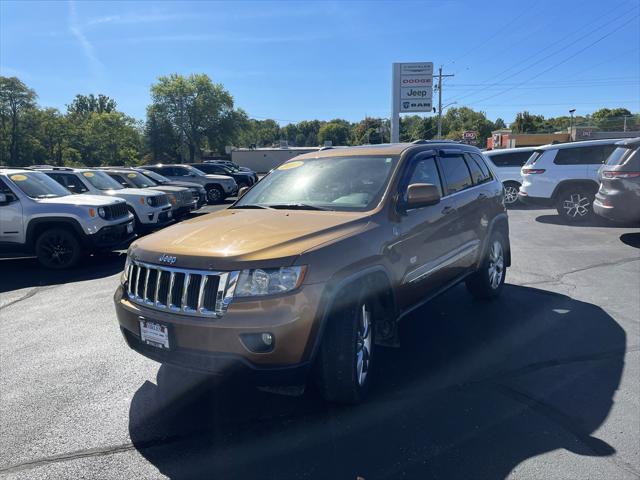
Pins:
x,y
236,238
132,192
82,200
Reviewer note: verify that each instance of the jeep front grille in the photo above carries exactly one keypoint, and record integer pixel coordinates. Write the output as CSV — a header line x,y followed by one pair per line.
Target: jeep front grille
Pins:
x,y
188,292
116,211
159,200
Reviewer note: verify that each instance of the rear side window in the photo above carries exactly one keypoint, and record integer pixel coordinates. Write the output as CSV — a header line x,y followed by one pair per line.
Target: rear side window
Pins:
x,y
594,155
479,160
455,172
425,171
512,159
70,182
7,191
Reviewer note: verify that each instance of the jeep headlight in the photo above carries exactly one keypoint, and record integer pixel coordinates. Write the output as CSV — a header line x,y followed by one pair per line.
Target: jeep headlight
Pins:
x,y
102,212
125,273
150,201
268,281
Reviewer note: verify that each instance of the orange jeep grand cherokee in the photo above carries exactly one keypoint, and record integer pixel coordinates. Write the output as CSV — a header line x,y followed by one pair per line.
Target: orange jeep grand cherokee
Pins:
x,y
314,265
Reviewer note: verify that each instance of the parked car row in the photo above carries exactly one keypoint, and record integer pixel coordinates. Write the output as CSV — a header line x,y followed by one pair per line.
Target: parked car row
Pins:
x,y
60,213
578,178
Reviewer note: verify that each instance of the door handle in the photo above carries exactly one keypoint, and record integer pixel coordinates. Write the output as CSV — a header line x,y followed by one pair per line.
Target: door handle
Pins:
x,y
448,210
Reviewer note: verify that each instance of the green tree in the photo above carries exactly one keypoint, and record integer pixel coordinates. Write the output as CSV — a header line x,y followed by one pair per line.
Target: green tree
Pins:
x,y
86,104
15,100
458,120
195,107
527,123
613,119
499,124
337,132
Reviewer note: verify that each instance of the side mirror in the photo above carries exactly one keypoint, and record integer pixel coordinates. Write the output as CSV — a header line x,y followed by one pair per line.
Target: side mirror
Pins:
x,y
242,191
3,199
421,195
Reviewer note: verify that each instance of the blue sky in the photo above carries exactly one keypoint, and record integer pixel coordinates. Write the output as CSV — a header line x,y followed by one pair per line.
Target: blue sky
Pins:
x,y
293,61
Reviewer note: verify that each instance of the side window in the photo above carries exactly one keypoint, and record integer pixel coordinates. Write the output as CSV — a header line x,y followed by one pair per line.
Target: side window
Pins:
x,y
482,165
11,197
476,174
119,179
178,172
582,156
425,171
513,159
456,173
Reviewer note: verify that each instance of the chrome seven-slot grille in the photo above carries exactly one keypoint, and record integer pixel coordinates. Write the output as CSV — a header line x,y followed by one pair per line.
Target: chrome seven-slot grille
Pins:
x,y
159,200
189,292
186,197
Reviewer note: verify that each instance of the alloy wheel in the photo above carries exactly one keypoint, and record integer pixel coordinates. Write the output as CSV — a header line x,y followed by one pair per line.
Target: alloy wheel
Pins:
x,y
58,249
510,194
577,205
496,264
363,344
214,195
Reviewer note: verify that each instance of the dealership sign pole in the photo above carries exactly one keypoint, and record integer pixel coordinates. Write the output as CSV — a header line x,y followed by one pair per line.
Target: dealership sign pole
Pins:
x,y
412,91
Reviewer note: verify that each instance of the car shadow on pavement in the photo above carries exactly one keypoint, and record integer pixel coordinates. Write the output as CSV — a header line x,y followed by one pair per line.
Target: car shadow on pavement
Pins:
x,y
27,272
476,389
631,239
593,221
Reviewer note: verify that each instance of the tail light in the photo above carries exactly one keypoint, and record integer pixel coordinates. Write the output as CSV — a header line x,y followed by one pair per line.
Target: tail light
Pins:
x,y
532,171
617,174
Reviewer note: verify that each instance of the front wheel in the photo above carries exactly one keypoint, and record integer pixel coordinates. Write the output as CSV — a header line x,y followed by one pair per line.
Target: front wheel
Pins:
x,y
488,281
344,363
58,249
575,204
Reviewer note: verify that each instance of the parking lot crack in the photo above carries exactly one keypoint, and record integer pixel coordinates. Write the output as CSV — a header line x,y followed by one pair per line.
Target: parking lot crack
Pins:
x,y
560,277
26,296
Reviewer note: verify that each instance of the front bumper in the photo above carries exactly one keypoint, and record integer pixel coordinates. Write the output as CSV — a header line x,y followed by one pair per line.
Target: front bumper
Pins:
x,y
216,345
111,237
156,218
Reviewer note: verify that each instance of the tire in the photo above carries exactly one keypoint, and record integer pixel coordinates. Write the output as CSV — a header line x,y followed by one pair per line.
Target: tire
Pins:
x,y
487,282
511,193
215,195
575,204
58,248
343,372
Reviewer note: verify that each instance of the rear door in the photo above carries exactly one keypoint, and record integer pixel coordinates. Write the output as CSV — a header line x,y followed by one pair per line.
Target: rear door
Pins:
x,y
11,217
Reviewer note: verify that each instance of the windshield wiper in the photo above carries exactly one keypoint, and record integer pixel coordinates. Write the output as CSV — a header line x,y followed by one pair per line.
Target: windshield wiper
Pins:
x,y
252,205
297,206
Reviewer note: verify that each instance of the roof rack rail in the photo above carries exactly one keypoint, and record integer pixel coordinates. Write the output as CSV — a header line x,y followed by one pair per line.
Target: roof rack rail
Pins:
x,y
50,167
422,141
324,148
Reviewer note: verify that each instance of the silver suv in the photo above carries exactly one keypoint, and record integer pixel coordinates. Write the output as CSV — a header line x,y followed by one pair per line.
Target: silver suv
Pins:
x,y
151,210
38,216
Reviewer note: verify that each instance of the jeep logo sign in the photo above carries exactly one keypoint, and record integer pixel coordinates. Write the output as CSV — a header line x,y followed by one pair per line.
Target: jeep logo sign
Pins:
x,y
164,258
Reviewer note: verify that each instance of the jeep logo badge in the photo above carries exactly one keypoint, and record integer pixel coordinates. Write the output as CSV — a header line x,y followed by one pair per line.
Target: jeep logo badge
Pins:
x,y
167,259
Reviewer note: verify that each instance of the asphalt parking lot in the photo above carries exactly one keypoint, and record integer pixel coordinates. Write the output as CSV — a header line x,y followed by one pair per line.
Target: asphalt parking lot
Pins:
x,y
540,384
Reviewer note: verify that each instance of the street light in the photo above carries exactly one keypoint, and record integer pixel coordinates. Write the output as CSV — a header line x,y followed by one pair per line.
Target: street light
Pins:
x,y
571,112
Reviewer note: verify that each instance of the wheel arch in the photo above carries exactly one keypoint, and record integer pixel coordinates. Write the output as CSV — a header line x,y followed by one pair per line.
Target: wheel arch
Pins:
x,y
39,225
376,279
499,223
592,185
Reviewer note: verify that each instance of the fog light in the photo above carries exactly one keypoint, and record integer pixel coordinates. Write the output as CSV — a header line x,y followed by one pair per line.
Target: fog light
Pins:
x,y
258,342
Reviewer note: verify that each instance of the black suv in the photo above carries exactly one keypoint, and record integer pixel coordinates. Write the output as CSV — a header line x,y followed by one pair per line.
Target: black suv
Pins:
x,y
243,179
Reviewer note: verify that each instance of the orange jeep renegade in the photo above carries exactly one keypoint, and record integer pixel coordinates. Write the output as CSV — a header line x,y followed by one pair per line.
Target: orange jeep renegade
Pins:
x,y
313,267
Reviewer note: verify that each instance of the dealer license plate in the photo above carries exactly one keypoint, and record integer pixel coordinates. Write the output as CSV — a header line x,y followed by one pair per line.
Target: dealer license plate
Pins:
x,y
154,334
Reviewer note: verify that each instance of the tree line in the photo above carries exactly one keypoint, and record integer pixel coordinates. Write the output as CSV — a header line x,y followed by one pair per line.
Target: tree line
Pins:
x,y
191,116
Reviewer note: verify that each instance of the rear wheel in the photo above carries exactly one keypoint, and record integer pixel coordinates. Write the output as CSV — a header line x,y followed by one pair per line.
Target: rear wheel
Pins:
x,y
575,204
344,364
215,194
58,248
511,190
488,281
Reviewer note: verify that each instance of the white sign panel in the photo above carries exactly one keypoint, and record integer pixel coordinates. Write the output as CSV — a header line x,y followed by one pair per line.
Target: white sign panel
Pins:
x,y
413,87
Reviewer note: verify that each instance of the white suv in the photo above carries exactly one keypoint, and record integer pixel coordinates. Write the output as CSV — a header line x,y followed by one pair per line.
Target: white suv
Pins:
x,y
507,163
565,176
151,209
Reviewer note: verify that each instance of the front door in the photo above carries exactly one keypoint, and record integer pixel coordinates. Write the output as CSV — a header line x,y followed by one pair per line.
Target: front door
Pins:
x,y
424,237
11,220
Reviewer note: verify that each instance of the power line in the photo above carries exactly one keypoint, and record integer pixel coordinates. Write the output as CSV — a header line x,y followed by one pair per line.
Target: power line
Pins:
x,y
565,59
555,52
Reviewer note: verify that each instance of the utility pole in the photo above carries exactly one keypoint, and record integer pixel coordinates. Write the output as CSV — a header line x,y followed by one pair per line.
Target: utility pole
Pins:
x,y
571,112
624,129
440,75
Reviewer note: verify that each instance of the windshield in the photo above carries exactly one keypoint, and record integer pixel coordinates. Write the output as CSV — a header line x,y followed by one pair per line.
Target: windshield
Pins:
x,y
620,155
155,176
38,185
140,180
102,181
338,183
